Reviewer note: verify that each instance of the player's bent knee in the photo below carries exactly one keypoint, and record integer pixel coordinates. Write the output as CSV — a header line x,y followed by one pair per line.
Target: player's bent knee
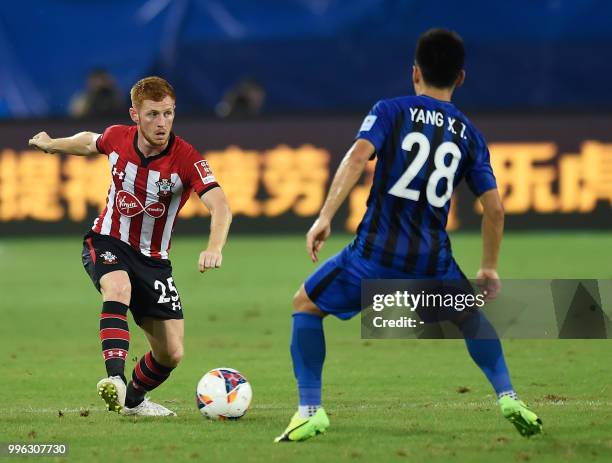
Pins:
x,y
300,300
117,292
116,286
303,304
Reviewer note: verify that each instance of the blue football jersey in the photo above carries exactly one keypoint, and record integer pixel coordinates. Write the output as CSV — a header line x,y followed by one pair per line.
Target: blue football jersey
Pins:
x,y
424,148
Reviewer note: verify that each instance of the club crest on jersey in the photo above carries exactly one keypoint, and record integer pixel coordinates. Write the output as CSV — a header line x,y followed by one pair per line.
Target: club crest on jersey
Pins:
x,y
109,257
129,205
165,187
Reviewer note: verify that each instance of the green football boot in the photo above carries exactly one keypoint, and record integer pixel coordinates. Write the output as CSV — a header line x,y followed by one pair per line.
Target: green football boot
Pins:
x,y
524,420
304,428
112,390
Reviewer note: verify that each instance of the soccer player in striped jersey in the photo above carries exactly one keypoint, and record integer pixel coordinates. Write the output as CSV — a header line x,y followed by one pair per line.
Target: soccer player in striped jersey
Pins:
x,y
425,146
126,251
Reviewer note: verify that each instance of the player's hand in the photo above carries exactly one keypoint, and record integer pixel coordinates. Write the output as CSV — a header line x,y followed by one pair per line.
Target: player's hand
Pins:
x,y
209,259
316,236
42,141
487,280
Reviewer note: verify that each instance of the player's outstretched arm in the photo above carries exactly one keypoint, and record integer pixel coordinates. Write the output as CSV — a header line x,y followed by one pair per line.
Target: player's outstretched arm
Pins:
x,y
221,218
346,177
492,232
81,144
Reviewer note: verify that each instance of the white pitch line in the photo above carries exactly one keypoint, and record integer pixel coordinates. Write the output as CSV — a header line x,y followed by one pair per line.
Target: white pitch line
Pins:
x,y
447,405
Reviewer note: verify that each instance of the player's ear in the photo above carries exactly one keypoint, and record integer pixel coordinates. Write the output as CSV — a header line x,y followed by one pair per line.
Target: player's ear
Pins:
x,y
460,79
134,115
416,74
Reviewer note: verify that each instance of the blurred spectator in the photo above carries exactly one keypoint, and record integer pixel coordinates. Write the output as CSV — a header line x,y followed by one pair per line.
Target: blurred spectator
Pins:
x,y
101,97
245,99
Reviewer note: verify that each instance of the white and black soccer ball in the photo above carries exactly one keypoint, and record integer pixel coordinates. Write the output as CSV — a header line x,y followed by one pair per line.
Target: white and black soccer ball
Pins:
x,y
223,394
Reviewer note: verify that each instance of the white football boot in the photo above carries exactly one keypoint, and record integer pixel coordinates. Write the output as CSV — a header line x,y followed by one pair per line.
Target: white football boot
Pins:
x,y
147,408
112,390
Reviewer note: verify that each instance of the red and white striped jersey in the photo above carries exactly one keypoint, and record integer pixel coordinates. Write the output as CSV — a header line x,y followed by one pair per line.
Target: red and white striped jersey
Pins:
x,y
146,194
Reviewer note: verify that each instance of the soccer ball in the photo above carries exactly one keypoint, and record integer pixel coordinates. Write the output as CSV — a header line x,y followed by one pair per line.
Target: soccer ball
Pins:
x,y
223,394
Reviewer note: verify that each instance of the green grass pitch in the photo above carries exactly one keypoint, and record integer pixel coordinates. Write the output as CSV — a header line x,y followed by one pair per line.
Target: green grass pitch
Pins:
x,y
392,400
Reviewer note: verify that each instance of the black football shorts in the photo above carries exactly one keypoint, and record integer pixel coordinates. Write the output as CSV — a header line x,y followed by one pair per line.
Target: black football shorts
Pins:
x,y
154,293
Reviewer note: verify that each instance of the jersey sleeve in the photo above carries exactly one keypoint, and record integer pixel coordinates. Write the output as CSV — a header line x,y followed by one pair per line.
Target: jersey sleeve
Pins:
x,y
376,125
105,142
199,174
479,174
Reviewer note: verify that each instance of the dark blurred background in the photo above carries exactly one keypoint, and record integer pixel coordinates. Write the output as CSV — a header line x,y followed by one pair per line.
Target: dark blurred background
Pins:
x,y
272,93
308,55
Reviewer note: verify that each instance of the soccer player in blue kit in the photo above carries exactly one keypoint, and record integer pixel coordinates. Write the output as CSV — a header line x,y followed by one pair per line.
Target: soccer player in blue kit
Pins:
x,y
424,146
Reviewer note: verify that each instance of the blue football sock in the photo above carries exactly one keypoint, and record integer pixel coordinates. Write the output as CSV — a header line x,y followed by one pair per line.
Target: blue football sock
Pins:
x,y
308,354
486,350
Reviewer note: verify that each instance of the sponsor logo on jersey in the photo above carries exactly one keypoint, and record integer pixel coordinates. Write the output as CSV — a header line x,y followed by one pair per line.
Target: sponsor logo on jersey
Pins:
x,y
155,210
204,170
165,188
109,257
129,205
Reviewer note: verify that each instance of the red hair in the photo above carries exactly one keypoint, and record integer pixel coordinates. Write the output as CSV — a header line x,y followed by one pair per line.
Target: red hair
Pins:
x,y
151,88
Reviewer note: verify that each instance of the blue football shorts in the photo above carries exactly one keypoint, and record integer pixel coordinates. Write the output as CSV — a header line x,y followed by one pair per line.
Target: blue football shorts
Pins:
x,y
335,287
